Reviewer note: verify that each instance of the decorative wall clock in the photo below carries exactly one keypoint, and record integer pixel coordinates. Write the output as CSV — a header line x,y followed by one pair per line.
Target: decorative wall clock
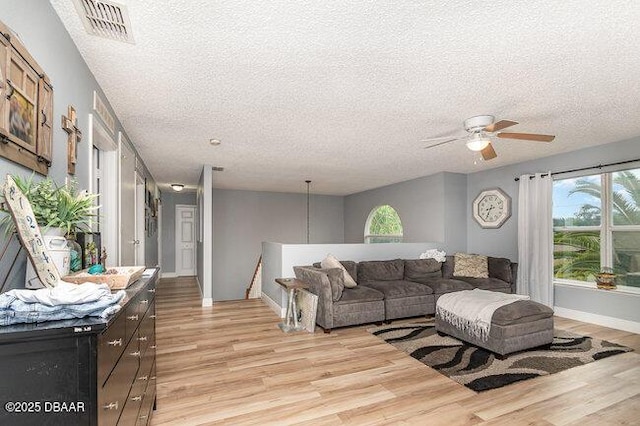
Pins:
x,y
491,208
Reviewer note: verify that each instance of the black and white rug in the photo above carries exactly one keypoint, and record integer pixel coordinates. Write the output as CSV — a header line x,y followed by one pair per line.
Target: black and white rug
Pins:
x,y
479,370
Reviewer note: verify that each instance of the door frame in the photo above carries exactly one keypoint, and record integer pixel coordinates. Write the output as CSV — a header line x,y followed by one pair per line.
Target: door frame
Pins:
x,y
177,239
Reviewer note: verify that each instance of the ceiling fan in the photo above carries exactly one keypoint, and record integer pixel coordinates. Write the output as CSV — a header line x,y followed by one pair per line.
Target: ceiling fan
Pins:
x,y
481,129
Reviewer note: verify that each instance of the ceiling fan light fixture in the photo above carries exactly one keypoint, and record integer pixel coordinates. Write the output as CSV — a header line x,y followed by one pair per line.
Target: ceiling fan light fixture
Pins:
x,y
478,141
177,187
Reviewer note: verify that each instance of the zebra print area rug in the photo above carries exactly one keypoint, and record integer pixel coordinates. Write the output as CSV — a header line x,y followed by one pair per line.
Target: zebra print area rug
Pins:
x,y
479,370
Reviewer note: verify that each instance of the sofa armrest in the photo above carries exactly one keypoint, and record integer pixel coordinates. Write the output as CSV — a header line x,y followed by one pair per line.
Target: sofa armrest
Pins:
x,y
514,277
319,285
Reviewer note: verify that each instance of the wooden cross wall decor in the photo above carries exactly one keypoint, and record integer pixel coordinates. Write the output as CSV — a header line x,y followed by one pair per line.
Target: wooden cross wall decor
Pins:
x,y
70,125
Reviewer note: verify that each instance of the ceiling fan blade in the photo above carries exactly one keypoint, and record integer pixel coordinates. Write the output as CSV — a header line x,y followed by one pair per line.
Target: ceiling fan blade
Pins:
x,y
488,153
527,136
502,124
440,143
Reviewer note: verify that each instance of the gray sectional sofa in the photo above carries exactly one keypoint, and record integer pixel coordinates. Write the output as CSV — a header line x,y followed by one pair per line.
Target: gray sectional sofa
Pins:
x,y
393,289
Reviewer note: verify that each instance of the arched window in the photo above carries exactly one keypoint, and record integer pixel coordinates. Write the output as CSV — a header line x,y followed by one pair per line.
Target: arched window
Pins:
x,y
383,226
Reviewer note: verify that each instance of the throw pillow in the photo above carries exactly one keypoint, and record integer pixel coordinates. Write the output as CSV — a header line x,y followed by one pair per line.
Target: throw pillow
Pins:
x,y
470,265
336,280
331,262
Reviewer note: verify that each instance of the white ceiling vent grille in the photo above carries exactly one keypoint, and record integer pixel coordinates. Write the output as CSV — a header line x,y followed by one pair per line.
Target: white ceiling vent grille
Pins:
x,y
105,19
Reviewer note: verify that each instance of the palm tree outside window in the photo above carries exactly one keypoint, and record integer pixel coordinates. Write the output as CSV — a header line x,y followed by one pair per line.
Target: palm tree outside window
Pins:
x,y
597,224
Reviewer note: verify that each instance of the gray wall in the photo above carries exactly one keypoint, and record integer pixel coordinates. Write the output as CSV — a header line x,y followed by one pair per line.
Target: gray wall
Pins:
x,y
169,201
504,241
48,42
426,206
244,219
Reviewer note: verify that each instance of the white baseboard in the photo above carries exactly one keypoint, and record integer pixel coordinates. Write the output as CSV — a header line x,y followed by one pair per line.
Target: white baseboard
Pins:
x,y
273,305
168,275
605,321
207,302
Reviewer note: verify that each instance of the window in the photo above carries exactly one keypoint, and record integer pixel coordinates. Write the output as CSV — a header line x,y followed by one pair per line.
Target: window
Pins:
x,y
596,224
383,226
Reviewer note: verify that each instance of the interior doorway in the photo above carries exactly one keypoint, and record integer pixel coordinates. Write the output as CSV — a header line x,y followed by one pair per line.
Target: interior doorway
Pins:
x,y
185,240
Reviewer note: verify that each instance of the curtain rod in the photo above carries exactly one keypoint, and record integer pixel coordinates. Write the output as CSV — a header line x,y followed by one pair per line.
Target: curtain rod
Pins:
x,y
599,166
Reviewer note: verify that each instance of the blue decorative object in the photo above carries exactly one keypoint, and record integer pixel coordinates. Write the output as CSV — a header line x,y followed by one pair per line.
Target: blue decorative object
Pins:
x,y
96,269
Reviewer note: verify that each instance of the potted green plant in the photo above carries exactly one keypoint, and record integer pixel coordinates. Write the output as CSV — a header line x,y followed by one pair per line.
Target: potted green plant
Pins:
x,y
60,210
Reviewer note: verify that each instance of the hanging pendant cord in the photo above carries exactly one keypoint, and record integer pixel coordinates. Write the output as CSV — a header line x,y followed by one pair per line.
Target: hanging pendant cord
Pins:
x,y
308,183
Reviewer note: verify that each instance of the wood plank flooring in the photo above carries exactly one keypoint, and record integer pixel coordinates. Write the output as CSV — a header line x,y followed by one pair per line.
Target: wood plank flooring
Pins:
x,y
231,364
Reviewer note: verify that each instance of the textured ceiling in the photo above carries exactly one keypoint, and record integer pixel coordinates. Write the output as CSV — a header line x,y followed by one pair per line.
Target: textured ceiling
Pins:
x,y
343,92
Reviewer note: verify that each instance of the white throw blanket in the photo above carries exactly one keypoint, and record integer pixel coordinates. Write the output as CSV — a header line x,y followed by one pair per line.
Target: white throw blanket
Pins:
x,y
471,310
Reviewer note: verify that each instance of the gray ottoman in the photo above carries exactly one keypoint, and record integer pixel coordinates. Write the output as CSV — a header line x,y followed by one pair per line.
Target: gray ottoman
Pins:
x,y
515,327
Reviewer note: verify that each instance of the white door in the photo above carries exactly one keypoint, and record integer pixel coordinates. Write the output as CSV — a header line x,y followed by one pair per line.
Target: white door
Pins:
x,y
140,221
185,240
127,204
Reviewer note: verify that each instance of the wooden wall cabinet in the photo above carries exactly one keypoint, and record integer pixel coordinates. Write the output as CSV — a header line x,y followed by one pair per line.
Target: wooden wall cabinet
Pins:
x,y
105,368
26,106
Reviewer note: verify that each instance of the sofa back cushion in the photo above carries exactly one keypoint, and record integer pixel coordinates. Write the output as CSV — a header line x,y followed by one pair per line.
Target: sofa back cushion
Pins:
x,y
349,265
422,270
336,279
500,268
381,270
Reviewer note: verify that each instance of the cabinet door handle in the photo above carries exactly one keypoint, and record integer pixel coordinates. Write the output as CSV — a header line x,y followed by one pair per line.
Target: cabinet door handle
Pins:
x,y
144,301
143,378
152,377
133,317
117,342
135,354
142,338
151,290
152,316
152,346
144,416
136,398
111,406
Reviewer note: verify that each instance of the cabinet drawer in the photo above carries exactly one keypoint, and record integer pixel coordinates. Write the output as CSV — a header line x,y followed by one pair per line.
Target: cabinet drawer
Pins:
x,y
148,402
111,343
112,397
146,332
133,317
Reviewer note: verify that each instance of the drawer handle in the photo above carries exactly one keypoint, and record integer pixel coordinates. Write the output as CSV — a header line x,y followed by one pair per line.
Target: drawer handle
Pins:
x,y
142,339
144,301
151,290
152,378
133,317
136,398
144,416
111,406
152,316
115,342
143,378
136,353
152,346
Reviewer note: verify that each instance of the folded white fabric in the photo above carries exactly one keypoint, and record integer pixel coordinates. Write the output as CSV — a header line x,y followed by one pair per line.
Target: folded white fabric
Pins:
x,y
435,254
67,294
471,310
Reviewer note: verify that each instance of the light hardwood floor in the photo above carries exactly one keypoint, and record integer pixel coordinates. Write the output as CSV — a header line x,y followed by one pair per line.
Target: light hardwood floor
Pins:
x,y
231,364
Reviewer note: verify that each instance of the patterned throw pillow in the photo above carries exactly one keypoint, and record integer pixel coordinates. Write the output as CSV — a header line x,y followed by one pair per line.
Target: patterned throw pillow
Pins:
x,y
331,262
470,265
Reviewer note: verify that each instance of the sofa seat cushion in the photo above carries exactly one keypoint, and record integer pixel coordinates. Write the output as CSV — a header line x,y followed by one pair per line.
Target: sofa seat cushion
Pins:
x,y
420,270
381,270
398,289
521,312
447,285
487,283
359,294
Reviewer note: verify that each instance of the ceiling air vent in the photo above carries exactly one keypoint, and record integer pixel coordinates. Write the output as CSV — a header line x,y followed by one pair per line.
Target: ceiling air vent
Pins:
x,y
217,169
105,19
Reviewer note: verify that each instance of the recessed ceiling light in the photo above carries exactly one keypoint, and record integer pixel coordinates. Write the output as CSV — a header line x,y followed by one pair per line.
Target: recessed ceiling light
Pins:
x,y
215,142
177,187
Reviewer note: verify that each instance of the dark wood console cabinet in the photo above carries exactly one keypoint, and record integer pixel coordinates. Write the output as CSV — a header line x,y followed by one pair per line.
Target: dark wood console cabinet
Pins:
x,y
83,372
